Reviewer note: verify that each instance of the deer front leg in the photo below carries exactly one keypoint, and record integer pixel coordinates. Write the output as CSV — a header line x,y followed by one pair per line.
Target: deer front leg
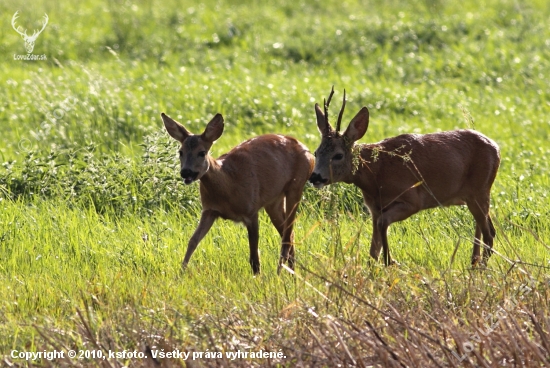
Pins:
x,y
396,212
205,223
253,237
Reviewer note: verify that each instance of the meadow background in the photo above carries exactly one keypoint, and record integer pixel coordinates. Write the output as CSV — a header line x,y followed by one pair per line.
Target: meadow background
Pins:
x,y
94,220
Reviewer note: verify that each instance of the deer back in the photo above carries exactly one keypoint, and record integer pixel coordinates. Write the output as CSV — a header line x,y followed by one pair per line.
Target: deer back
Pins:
x,y
433,169
255,173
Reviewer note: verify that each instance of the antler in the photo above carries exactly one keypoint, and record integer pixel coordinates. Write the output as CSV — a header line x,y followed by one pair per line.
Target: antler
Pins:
x,y
13,19
341,113
24,33
326,104
44,23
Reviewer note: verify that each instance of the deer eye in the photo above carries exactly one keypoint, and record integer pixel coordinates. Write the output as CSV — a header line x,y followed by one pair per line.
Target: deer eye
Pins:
x,y
202,153
338,156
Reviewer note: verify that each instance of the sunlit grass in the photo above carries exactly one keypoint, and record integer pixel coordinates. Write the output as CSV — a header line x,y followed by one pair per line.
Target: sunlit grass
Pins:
x,y
94,219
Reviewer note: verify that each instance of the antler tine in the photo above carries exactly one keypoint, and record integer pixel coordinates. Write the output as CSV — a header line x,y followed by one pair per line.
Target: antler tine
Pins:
x,y
44,24
330,96
339,122
13,20
326,105
46,19
326,116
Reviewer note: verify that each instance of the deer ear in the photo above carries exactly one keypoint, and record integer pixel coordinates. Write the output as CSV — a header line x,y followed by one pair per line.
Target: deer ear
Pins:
x,y
175,129
214,129
322,124
358,125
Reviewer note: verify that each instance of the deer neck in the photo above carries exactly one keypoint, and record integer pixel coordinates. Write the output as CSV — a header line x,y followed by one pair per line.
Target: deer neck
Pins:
x,y
364,176
354,175
215,179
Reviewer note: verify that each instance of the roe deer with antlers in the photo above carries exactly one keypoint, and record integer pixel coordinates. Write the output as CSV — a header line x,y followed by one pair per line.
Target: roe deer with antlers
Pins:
x,y
403,175
269,171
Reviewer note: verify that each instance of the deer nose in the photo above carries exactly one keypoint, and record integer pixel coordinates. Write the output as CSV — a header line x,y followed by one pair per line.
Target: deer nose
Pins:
x,y
317,179
188,175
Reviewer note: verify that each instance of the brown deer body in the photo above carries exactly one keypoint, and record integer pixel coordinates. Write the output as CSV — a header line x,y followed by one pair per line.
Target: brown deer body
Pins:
x,y
403,175
268,172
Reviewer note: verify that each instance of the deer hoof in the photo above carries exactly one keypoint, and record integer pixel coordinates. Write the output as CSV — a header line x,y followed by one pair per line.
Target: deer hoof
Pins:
x,y
477,261
394,263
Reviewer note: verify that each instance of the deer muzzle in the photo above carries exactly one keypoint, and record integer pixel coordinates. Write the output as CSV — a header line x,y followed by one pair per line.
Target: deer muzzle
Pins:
x,y
317,180
188,176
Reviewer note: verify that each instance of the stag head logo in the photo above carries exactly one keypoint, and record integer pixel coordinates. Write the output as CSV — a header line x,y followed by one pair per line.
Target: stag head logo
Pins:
x,y
29,40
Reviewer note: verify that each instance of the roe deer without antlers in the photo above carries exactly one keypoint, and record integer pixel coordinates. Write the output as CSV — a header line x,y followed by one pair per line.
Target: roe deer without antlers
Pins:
x,y
269,171
403,175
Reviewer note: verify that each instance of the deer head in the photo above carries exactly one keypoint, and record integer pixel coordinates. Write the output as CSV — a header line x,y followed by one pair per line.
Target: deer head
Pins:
x,y
334,157
29,40
194,148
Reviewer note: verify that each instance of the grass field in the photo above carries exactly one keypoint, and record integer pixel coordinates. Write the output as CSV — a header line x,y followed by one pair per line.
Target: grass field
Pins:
x,y
94,220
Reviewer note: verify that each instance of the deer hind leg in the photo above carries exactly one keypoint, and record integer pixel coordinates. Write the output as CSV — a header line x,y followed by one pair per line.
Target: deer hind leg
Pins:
x,y
397,211
276,212
487,252
484,227
376,242
292,200
476,253
253,238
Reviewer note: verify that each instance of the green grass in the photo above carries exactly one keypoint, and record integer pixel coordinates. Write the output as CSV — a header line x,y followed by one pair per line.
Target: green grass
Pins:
x,y
94,222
